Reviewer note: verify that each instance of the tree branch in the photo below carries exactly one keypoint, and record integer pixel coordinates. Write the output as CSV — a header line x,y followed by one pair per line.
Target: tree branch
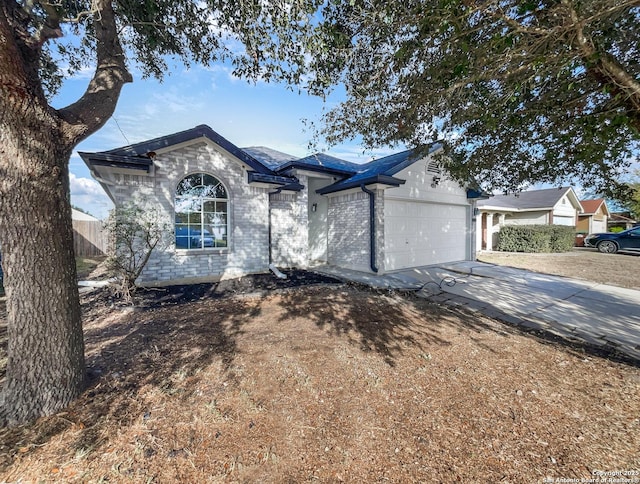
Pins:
x,y
98,102
605,68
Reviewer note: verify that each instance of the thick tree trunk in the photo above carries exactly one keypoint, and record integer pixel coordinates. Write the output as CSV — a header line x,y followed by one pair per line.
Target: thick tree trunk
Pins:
x,y
45,369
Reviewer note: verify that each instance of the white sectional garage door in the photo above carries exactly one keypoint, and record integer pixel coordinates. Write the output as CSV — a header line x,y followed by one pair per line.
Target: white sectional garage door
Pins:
x,y
598,226
418,234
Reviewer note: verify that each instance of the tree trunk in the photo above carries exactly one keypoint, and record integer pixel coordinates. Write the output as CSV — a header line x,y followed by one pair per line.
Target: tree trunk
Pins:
x,y
45,368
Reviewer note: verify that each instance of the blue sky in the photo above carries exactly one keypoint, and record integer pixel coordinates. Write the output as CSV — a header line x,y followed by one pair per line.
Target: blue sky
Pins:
x,y
246,114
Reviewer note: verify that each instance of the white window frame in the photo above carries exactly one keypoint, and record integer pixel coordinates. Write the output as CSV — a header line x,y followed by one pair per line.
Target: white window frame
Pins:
x,y
206,243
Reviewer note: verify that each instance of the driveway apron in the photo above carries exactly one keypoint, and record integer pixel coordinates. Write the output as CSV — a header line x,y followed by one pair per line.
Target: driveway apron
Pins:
x,y
595,313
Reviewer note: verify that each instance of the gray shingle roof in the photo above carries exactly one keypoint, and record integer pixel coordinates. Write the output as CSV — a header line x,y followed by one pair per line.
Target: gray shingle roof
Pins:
x,y
201,131
270,157
379,171
265,161
532,199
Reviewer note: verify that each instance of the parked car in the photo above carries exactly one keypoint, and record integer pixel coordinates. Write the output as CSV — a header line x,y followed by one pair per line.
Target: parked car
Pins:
x,y
611,243
193,239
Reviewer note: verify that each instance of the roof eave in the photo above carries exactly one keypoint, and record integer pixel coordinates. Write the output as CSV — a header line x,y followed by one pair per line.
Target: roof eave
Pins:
x,y
275,181
376,179
315,168
117,161
201,131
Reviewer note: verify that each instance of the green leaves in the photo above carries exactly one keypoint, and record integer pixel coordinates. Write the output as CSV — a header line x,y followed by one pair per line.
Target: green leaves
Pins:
x,y
525,92
261,39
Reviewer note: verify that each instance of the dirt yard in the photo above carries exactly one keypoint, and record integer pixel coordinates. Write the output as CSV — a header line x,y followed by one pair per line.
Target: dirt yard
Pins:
x,y
325,382
621,270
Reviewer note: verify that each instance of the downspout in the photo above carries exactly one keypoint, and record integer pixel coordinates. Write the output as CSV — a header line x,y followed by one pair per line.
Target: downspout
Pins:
x,y
372,227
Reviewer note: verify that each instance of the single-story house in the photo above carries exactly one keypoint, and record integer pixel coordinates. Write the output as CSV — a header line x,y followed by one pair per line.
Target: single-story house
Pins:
x,y
621,220
593,219
551,206
236,211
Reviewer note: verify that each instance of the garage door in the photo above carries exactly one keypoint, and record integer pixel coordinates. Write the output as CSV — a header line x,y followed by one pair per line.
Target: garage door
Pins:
x,y
563,220
598,226
418,234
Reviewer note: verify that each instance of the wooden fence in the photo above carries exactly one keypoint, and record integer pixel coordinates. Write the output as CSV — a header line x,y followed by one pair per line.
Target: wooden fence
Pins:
x,y
89,239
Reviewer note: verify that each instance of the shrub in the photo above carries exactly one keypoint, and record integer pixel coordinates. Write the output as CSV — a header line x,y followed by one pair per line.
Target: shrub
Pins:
x,y
134,231
616,230
536,238
562,238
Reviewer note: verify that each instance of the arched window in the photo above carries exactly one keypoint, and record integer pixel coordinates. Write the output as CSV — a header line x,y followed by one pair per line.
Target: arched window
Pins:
x,y
202,212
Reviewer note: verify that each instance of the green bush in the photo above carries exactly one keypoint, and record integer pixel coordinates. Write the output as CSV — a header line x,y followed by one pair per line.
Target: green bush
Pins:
x,y
616,230
536,238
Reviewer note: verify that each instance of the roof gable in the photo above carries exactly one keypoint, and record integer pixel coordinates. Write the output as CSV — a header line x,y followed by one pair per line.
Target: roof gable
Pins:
x,y
143,149
593,206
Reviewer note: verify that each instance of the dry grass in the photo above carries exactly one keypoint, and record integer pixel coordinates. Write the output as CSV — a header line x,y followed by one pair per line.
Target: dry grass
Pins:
x,y
620,270
327,383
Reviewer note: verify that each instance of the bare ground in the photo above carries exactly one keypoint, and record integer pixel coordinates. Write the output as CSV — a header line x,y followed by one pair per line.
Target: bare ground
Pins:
x,y
621,270
329,383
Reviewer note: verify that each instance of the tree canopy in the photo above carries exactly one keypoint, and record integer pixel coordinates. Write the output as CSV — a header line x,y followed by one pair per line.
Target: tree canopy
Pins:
x,y
521,91
631,199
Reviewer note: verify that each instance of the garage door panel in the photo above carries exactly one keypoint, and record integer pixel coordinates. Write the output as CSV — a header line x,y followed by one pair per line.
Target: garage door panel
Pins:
x,y
598,226
431,234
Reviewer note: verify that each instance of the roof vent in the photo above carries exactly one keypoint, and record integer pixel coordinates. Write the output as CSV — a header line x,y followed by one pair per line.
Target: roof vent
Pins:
x,y
434,168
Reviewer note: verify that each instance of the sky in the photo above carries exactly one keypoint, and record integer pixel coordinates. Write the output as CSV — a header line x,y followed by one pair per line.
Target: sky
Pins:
x,y
246,114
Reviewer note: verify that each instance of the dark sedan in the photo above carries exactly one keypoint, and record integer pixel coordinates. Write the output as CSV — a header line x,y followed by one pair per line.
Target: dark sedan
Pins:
x,y
611,243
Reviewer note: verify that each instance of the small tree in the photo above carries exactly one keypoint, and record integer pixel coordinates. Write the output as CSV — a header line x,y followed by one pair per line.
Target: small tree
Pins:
x,y
134,232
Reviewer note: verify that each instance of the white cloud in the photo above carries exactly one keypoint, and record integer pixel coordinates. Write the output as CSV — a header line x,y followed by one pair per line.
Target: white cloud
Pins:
x,y
89,195
84,186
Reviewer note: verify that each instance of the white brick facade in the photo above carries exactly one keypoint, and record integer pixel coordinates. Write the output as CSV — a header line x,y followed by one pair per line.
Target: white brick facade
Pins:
x,y
248,249
290,227
348,231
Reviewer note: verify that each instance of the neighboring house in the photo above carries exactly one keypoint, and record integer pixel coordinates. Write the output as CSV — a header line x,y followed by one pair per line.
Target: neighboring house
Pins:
x,y
593,219
552,206
622,221
237,210
88,237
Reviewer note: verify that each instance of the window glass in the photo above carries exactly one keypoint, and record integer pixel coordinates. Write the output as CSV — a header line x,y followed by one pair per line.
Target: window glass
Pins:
x,y
201,207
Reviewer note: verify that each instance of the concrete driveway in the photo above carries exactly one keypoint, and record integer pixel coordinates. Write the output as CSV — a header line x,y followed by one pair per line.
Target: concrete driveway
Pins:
x,y
593,313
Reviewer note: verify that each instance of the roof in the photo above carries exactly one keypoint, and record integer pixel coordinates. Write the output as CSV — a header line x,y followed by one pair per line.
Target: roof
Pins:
x,y
268,165
544,199
619,217
269,157
321,162
591,207
143,149
380,171
78,215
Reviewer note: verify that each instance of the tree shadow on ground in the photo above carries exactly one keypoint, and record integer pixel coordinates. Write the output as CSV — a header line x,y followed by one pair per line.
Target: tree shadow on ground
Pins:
x,y
162,341
381,322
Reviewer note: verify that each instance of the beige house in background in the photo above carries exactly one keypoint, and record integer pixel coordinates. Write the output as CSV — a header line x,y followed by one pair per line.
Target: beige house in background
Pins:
x,y
552,206
594,218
